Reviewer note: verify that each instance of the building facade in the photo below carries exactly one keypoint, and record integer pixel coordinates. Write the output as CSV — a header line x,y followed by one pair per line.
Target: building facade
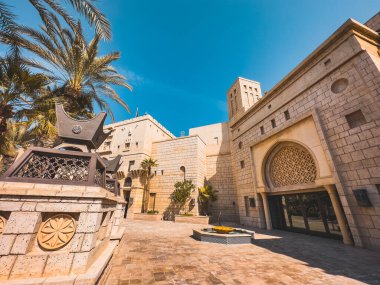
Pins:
x,y
304,157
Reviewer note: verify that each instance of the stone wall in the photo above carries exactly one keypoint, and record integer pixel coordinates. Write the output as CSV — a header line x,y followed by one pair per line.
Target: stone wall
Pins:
x,y
220,177
353,152
88,225
171,155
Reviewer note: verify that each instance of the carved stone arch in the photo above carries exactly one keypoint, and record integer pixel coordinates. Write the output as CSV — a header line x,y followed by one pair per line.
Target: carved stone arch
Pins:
x,y
288,164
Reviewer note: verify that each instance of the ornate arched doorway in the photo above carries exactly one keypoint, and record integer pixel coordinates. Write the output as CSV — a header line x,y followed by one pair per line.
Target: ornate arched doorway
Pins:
x,y
295,202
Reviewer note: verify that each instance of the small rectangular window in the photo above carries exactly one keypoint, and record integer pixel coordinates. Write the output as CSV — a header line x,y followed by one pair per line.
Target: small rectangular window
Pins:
x,y
107,145
162,172
127,146
356,119
131,163
246,204
242,164
252,202
273,122
262,130
137,144
287,115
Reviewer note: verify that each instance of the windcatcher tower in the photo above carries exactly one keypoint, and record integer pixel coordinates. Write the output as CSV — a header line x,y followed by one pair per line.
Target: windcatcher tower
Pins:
x,y
243,94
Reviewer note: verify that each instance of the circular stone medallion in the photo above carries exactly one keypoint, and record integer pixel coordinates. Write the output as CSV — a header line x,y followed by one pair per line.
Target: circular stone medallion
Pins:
x,y
2,224
76,129
56,232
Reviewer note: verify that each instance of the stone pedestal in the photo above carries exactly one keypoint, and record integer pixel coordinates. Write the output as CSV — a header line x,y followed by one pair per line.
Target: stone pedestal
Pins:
x,y
56,234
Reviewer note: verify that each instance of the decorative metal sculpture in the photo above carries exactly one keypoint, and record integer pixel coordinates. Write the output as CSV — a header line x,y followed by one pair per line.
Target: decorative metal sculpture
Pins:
x,y
80,132
56,232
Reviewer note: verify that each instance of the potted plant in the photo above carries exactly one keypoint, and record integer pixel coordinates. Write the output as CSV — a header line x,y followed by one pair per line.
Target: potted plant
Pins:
x,y
181,198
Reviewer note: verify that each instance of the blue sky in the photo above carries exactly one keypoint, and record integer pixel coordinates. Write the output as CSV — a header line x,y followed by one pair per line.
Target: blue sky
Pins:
x,y
182,56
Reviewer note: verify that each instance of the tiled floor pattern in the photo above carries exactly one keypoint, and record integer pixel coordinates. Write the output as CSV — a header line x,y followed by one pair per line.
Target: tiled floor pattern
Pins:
x,y
165,253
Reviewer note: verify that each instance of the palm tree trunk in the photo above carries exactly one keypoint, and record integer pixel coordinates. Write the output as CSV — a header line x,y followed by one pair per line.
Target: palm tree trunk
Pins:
x,y
3,125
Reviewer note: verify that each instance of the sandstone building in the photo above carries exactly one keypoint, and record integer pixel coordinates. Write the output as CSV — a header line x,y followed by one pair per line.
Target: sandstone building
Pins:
x,y
304,157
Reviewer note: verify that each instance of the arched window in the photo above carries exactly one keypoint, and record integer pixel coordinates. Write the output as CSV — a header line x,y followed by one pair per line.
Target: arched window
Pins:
x,y
290,164
183,172
128,182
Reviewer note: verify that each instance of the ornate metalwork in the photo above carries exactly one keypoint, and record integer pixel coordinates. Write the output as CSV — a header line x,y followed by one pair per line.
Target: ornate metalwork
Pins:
x,y
3,221
55,166
292,165
98,178
56,232
112,185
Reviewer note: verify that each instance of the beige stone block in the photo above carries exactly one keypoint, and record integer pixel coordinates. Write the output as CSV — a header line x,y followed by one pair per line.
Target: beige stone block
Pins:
x,y
29,281
94,207
80,261
6,265
23,223
89,222
22,243
17,186
94,189
69,194
58,264
60,280
29,206
48,187
10,206
73,188
76,242
89,241
30,265
61,207
6,242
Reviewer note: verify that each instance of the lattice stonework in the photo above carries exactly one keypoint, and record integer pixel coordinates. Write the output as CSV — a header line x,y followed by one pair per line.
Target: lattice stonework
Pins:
x,y
3,221
47,166
56,232
292,165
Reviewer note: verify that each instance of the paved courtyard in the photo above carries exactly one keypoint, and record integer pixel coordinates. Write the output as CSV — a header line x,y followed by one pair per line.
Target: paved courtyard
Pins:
x,y
165,253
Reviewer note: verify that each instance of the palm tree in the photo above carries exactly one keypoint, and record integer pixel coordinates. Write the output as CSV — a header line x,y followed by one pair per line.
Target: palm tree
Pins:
x,y
43,7
147,165
11,141
205,194
18,86
83,77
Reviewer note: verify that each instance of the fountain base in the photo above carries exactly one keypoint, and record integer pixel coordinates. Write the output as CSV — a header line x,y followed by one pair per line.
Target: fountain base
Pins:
x,y
237,236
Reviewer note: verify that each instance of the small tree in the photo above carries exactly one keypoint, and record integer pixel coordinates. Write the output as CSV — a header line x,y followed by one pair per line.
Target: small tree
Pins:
x,y
205,194
181,194
147,165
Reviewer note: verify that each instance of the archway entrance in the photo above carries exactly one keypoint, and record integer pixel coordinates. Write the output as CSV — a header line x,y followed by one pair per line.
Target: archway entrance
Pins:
x,y
310,213
294,201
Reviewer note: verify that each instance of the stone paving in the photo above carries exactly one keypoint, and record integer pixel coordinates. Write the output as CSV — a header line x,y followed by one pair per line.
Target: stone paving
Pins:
x,y
165,253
